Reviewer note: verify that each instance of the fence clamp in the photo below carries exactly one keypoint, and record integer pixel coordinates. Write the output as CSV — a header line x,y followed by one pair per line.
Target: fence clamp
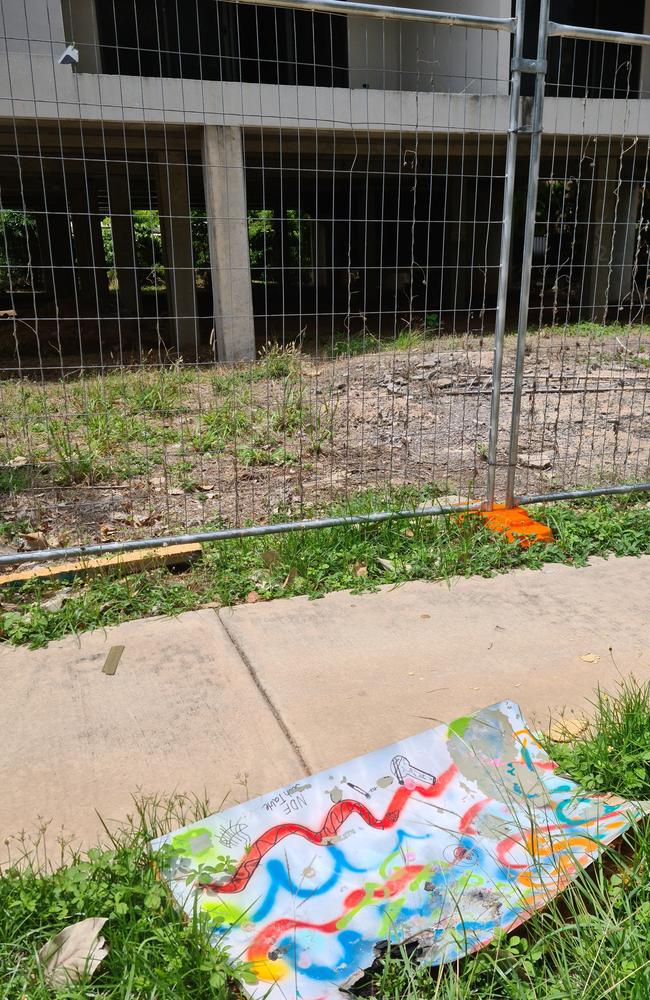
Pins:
x,y
528,65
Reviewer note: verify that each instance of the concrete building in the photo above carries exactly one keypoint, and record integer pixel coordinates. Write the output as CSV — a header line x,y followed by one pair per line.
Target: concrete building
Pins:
x,y
310,172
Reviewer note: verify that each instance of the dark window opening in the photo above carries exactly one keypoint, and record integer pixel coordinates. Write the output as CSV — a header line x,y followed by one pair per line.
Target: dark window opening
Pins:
x,y
587,69
222,41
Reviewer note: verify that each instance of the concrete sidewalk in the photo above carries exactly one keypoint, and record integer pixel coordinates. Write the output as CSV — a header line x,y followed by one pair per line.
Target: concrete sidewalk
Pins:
x,y
242,701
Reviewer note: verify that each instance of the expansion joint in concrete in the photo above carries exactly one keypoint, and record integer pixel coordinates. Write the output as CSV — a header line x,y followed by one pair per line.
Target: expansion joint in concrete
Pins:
x,y
266,696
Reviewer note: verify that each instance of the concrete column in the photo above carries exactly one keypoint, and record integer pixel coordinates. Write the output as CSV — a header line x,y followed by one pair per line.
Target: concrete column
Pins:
x,y
225,198
89,247
43,258
458,247
123,242
612,243
175,224
60,250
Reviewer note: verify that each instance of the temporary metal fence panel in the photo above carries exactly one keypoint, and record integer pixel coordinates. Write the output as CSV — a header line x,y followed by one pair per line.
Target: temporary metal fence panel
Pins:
x,y
251,264
261,264
580,418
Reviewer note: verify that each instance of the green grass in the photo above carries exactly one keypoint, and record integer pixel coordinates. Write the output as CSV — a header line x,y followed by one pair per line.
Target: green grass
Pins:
x,y
614,755
353,345
153,952
589,944
314,563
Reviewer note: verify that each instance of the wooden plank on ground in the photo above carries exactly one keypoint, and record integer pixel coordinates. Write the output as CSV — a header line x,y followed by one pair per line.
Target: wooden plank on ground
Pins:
x,y
121,562
112,660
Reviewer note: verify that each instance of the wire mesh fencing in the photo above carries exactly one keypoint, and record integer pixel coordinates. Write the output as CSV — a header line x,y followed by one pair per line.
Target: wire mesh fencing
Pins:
x,y
585,376
261,263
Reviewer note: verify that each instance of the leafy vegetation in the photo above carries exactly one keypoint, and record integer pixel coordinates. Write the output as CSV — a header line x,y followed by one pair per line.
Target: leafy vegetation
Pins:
x,y
313,563
153,951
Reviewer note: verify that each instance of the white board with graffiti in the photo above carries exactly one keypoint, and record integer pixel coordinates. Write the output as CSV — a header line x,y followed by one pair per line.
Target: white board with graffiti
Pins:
x,y
437,841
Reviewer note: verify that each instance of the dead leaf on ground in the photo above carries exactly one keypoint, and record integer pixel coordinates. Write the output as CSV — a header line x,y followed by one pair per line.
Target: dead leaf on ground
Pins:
x,y
386,564
290,577
34,540
567,730
106,530
76,951
270,557
590,658
360,569
252,597
409,533
17,462
56,602
212,604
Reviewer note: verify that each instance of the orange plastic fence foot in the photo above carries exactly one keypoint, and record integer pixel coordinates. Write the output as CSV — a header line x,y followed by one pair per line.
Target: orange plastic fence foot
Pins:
x,y
516,524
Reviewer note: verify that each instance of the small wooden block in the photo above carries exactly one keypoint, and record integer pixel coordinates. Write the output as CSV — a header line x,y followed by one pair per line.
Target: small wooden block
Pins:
x,y
112,660
121,562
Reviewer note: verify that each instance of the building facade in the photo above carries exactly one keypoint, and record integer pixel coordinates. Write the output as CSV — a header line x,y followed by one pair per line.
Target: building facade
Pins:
x,y
209,175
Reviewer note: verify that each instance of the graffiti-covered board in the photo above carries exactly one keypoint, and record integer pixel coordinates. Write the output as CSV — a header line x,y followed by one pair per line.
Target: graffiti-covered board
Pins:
x,y
438,840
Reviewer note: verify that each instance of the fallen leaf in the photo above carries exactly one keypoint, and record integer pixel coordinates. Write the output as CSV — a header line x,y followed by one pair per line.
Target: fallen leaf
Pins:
x,y
76,951
106,530
590,658
409,533
290,577
34,540
360,569
386,564
252,597
270,557
212,604
176,491
56,602
17,462
566,730
425,616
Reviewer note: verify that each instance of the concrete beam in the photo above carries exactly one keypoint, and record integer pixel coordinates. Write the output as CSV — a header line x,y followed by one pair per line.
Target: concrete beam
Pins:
x,y
225,198
176,227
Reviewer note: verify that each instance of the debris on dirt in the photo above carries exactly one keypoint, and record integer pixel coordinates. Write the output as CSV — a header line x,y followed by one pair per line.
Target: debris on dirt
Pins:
x,y
590,658
252,597
56,602
540,461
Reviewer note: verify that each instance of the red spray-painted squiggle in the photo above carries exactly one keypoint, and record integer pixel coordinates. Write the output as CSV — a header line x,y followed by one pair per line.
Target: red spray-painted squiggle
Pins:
x,y
334,820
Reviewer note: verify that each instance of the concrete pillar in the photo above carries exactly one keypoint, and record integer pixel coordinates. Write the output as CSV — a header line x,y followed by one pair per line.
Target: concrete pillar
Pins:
x,y
125,264
176,228
458,247
92,279
80,23
225,198
612,244
43,258
57,251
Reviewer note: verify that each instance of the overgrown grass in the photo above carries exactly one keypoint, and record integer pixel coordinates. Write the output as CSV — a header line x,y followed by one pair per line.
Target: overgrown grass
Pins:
x,y
314,563
353,345
614,754
153,953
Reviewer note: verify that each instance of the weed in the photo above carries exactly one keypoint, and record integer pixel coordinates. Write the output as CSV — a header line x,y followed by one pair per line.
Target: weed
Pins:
x,y
615,753
153,950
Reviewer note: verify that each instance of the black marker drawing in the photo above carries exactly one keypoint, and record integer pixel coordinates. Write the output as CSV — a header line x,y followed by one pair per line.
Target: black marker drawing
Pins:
x,y
402,768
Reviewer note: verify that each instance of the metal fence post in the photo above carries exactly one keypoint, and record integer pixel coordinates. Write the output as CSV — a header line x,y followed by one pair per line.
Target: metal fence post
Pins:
x,y
538,67
506,239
